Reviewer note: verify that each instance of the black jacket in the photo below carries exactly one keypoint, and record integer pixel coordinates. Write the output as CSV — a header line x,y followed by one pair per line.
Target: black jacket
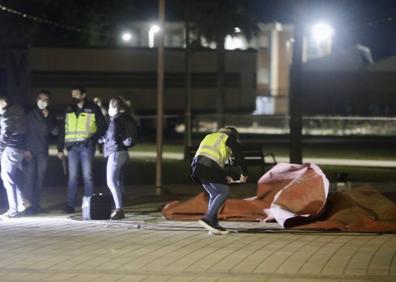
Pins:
x,y
39,129
121,134
100,123
207,170
13,127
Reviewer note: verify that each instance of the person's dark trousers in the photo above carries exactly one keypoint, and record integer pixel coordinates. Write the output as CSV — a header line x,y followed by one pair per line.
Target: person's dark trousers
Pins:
x,y
81,154
11,174
35,171
218,193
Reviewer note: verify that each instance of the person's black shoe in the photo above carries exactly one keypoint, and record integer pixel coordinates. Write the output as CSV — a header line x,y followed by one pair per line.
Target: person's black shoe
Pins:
x,y
69,209
211,227
117,214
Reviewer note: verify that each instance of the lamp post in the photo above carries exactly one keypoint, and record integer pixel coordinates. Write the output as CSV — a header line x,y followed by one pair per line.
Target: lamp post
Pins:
x,y
160,95
295,96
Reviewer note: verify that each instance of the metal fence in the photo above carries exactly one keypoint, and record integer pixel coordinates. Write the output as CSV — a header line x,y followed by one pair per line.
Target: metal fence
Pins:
x,y
312,125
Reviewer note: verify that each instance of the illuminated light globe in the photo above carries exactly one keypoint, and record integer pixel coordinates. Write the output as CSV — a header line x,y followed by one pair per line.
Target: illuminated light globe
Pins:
x,y
322,32
126,36
154,29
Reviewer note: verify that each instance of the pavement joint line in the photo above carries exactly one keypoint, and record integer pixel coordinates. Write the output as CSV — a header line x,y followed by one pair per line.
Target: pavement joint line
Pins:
x,y
259,250
151,251
213,243
269,255
333,254
293,252
329,257
355,252
174,250
392,262
374,254
253,251
385,277
235,251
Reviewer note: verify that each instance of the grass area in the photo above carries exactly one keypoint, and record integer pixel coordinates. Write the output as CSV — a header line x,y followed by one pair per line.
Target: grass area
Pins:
x,y
359,152
141,171
176,172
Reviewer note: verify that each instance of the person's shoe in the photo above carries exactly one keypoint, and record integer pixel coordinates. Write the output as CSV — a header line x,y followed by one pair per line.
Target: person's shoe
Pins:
x,y
211,227
9,214
69,209
117,214
223,231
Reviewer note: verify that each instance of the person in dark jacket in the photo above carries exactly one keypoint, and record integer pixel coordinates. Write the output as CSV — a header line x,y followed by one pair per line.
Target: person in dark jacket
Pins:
x,y
41,124
12,151
121,134
208,170
84,125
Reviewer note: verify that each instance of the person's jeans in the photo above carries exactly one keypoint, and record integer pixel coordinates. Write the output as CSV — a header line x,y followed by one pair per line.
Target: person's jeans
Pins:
x,y
218,193
115,177
35,170
11,174
80,154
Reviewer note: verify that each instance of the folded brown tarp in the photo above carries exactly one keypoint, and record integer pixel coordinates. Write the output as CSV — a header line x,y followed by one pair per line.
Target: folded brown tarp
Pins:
x,y
297,196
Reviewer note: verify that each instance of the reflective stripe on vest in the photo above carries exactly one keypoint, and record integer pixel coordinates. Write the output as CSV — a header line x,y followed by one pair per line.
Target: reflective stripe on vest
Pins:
x,y
214,147
81,128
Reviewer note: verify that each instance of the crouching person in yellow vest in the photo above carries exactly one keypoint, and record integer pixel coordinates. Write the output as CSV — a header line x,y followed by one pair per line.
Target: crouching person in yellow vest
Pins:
x,y
208,170
84,124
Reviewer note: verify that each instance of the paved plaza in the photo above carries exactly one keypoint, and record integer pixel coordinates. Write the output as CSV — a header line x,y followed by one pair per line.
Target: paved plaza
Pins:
x,y
145,247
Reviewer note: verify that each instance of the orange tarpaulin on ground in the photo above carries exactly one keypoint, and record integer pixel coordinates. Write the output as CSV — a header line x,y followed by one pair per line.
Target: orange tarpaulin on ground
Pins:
x,y
297,196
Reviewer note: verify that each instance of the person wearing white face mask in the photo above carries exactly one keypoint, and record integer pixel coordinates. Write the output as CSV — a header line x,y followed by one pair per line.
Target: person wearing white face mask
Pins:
x,y
121,134
41,124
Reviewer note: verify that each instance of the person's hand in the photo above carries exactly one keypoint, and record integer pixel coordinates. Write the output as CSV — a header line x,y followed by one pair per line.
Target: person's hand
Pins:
x,y
229,179
45,112
243,179
27,155
61,155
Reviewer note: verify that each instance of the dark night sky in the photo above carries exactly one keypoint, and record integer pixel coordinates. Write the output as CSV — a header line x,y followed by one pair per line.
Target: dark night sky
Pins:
x,y
355,21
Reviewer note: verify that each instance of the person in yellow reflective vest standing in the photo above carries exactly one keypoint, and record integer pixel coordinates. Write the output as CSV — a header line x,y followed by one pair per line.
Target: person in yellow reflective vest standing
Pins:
x,y
208,170
84,124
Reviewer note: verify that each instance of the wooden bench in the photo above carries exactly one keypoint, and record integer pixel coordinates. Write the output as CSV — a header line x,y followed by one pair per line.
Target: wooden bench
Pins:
x,y
254,156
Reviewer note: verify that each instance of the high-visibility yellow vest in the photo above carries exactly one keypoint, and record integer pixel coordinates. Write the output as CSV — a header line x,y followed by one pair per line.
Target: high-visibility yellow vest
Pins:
x,y
214,147
79,128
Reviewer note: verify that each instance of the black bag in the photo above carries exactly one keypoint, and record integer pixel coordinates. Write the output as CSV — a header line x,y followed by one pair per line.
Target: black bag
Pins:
x,y
97,206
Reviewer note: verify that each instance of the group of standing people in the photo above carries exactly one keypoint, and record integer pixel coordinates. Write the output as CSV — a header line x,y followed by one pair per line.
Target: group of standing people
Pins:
x,y
24,146
24,141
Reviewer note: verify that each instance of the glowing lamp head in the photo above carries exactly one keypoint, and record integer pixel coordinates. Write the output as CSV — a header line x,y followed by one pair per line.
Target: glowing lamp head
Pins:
x,y
126,36
322,32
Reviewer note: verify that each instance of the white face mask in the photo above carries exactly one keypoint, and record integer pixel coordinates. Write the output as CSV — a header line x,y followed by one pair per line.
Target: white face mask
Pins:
x,y
42,104
112,111
2,111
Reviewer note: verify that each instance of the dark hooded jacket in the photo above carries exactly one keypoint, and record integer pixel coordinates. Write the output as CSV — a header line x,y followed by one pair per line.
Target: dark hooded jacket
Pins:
x,y
39,129
13,128
121,134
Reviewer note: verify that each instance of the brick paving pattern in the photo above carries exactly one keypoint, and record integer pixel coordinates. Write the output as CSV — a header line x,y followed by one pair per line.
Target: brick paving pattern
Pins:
x,y
58,248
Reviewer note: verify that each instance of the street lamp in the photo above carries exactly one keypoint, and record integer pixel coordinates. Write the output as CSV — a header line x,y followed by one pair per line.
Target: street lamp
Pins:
x,y
322,32
151,34
126,36
318,41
